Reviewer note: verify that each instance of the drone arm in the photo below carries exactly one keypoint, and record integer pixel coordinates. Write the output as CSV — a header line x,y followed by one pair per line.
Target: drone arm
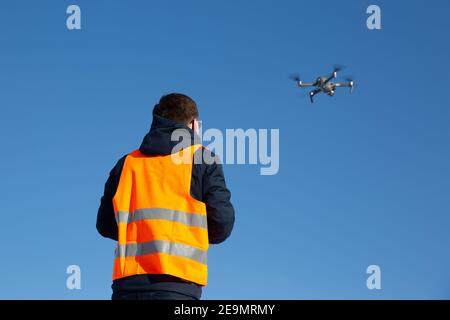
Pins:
x,y
331,77
350,85
342,85
328,79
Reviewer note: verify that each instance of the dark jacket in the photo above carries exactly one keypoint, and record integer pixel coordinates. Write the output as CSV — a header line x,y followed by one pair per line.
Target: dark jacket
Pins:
x,y
207,185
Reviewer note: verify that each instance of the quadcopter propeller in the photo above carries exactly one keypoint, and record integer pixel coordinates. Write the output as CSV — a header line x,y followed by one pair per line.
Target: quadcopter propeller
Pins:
x,y
338,67
295,77
351,83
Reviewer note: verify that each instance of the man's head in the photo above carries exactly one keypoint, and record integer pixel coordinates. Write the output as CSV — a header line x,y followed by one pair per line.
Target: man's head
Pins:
x,y
179,108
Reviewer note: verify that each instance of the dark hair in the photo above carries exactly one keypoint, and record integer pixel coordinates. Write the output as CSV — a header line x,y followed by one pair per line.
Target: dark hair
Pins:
x,y
177,107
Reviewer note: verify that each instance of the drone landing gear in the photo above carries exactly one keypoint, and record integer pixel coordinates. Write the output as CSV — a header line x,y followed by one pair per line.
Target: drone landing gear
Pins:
x,y
312,94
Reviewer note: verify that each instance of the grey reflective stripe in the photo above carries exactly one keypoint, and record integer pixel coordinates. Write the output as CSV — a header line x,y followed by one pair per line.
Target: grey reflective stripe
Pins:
x,y
190,219
161,246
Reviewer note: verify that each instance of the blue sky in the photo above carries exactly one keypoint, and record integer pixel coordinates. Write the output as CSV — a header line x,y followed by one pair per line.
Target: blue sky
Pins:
x,y
364,179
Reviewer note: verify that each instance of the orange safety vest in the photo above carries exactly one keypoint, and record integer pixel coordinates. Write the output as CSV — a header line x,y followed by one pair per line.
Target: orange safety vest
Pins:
x,y
162,228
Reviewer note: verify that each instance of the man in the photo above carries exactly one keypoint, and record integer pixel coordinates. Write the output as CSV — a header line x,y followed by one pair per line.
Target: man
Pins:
x,y
164,212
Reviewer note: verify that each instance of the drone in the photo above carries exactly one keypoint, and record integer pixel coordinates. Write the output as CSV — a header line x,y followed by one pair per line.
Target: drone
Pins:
x,y
324,84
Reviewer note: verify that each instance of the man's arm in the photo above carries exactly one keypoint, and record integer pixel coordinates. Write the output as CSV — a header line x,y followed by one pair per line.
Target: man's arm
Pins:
x,y
106,221
216,196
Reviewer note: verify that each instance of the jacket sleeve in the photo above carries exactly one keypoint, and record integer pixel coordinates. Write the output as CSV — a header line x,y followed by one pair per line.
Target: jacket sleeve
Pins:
x,y
106,221
216,196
